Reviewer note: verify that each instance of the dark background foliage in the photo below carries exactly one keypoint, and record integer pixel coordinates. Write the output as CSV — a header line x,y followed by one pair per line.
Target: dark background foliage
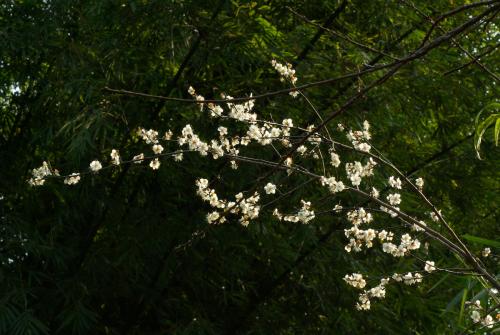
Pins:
x,y
127,251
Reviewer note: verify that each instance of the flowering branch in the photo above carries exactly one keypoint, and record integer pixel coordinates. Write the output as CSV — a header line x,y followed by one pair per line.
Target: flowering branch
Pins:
x,y
307,143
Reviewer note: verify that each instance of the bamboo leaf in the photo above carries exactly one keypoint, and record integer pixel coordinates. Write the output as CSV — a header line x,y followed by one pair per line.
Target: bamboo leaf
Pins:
x,y
481,127
481,240
497,130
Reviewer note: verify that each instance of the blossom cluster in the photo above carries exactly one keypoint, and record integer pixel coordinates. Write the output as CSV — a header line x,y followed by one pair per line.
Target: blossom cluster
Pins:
x,y
286,71
304,215
246,208
364,302
223,145
356,171
361,235
477,312
72,179
406,245
356,280
408,278
360,138
333,184
38,175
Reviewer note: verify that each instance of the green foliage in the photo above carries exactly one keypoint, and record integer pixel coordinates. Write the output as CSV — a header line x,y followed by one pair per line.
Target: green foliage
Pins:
x,y
482,241
129,251
481,127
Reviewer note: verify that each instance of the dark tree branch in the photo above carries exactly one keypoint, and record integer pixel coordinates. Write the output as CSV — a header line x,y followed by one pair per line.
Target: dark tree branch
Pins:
x,y
474,60
452,12
419,53
435,25
266,292
302,56
341,36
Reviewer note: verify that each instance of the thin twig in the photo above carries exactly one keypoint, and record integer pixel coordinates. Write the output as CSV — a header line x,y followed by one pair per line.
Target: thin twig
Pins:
x,y
474,60
435,24
341,36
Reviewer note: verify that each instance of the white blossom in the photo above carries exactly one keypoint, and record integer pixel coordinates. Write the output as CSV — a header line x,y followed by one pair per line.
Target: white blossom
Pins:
x,y
149,136
305,214
407,244
434,216
359,238
375,193
390,211
200,100
395,182
355,280
39,174
115,157
286,71
394,199
429,266
270,188
365,147
157,149
155,164
334,159
382,235
363,303
333,185
178,157
241,112
287,123
488,321
419,182
72,179
358,138
95,166
302,150
389,247
356,171
222,131
138,158
411,279
246,208
213,216
359,216
216,149
168,135
417,228
277,214
475,316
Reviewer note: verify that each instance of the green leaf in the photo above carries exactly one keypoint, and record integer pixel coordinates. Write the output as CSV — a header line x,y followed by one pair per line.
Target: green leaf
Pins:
x,y
481,240
497,131
26,324
462,306
481,127
440,281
